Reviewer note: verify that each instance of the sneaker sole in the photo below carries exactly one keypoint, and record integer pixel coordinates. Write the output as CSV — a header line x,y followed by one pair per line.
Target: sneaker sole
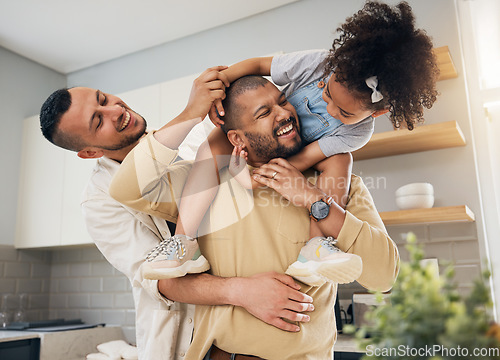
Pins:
x,y
189,267
315,273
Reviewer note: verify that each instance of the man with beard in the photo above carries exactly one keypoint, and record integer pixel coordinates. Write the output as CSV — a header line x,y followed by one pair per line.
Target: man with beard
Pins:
x,y
252,232
99,125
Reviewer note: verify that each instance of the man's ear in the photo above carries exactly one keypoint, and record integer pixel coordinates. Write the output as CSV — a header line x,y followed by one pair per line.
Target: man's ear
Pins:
x,y
380,112
235,138
90,154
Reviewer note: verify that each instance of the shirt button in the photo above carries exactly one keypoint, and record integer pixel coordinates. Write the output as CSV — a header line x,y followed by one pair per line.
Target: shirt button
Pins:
x,y
190,320
182,354
164,233
321,84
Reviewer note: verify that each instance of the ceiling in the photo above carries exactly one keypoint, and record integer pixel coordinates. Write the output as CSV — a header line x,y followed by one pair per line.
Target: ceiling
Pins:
x,y
68,35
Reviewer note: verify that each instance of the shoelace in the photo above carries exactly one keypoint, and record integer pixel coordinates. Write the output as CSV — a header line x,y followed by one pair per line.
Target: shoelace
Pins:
x,y
330,242
166,247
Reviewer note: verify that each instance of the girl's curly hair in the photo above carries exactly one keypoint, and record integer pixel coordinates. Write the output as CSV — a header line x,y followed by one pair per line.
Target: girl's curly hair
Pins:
x,y
382,41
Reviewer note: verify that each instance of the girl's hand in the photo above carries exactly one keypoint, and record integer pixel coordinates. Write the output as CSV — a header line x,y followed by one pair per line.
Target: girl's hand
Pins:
x,y
238,167
214,112
280,175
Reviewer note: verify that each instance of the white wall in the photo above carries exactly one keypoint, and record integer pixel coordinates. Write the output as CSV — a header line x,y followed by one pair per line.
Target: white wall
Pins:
x,y
23,87
306,24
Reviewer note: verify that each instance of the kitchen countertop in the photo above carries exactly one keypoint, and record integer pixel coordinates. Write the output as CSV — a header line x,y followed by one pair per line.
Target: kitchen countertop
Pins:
x,y
12,335
346,343
67,345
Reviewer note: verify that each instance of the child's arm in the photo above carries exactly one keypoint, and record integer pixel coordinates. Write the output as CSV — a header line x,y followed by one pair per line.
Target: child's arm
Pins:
x,y
254,66
334,181
335,170
335,178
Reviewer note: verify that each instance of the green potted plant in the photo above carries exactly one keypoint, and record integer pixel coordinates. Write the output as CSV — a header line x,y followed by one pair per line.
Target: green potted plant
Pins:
x,y
426,318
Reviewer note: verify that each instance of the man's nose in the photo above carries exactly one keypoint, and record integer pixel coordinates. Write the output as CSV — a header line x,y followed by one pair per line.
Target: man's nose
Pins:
x,y
283,113
113,112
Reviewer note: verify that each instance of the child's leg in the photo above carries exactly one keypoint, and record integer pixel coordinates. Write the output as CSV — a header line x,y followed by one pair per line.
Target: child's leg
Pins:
x,y
320,260
198,193
202,183
334,180
180,254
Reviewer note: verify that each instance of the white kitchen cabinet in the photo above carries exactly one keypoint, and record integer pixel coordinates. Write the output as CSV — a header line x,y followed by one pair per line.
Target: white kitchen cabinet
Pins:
x,y
174,96
76,173
40,190
50,190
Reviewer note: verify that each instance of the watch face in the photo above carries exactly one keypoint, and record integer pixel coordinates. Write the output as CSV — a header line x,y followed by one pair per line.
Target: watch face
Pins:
x,y
320,210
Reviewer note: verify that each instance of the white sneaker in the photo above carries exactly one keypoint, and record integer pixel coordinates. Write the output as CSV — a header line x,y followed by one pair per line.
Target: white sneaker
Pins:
x,y
174,257
320,261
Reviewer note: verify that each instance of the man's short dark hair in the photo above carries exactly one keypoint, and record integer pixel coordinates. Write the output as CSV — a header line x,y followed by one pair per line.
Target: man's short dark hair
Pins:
x,y
230,104
50,116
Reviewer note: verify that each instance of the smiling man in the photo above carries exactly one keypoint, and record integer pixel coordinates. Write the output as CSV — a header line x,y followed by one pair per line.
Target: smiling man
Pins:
x,y
95,136
252,123
260,231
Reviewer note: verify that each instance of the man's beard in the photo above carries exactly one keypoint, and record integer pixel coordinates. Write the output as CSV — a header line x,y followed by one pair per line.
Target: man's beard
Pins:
x,y
128,140
268,147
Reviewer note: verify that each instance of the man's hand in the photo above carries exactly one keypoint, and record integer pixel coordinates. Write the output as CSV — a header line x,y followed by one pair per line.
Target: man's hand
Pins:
x,y
208,89
270,297
280,175
274,298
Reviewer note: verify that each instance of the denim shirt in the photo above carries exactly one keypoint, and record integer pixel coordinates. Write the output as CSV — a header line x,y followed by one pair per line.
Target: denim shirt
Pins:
x,y
315,121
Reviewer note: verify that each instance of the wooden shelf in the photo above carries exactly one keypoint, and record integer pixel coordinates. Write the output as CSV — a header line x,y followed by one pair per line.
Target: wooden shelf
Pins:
x,y
428,216
402,141
445,63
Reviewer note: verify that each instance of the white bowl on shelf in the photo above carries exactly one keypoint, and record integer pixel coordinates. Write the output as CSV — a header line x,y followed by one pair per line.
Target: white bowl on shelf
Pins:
x,y
415,196
408,202
415,189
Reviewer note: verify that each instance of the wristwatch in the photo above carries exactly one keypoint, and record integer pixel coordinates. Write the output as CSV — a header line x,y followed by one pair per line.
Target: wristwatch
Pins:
x,y
321,208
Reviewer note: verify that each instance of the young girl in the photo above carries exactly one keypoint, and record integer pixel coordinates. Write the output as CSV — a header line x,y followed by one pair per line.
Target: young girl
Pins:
x,y
379,63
